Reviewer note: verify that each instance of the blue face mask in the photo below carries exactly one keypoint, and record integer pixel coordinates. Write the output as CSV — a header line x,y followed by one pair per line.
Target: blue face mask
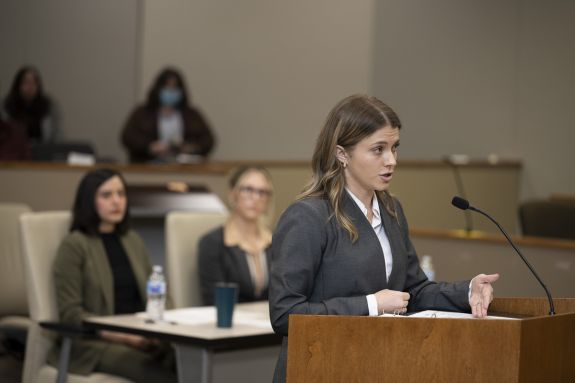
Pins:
x,y
170,96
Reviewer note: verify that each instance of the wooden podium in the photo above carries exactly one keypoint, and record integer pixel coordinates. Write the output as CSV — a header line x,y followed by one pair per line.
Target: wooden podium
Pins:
x,y
536,348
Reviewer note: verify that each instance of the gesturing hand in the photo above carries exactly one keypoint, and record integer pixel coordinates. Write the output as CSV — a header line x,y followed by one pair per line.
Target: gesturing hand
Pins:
x,y
481,294
135,341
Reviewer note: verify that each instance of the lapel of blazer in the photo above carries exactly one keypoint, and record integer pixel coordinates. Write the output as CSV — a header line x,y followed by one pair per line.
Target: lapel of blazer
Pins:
x,y
364,228
102,266
394,237
137,267
244,269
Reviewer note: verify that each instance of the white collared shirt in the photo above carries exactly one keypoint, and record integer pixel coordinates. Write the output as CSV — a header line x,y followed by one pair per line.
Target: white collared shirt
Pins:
x,y
171,128
377,225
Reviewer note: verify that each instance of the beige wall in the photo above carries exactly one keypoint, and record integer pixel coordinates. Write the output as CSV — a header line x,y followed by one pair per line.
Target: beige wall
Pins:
x,y
545,89
265,73
483,77
475,77
87,53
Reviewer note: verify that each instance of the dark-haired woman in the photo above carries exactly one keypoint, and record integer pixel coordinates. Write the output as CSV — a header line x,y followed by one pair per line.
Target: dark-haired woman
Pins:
x,y
101,269
343,248
239,251
30,107
167,125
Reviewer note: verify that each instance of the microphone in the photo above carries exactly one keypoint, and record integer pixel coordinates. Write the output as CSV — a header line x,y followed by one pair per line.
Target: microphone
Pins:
x,y
455,161
463,204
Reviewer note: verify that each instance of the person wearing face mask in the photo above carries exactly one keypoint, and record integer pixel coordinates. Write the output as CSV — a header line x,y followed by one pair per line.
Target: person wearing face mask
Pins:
x,y
239,251
167,125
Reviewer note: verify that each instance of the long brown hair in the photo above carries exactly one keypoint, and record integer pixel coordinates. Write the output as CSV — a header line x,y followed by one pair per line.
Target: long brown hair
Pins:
x,y
350,121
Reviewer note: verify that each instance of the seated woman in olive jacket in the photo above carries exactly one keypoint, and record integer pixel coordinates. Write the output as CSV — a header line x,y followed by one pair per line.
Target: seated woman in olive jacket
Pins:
x,y
239,251
101,269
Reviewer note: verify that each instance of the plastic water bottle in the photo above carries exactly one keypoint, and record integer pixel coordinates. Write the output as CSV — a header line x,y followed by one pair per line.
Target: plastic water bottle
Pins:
x,y
427,267
156,290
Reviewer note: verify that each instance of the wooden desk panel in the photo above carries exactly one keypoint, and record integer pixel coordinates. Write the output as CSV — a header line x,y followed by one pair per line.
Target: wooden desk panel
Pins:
x,y
457,257
425,188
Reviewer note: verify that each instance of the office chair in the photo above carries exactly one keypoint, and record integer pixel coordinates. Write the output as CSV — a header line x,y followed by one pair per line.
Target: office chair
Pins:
x,y
14,319
183,232
42,233
552,219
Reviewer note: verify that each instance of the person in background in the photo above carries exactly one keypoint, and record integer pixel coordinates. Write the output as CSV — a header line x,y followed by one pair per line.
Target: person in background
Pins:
x,y
167,125
101,269
343,248
239,251
13,142
28,105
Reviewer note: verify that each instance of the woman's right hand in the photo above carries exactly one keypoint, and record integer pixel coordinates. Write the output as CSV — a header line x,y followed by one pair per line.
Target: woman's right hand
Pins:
x,y
390,301
135,341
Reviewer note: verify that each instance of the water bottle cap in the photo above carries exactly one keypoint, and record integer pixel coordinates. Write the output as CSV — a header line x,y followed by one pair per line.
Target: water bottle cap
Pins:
x,y
157,268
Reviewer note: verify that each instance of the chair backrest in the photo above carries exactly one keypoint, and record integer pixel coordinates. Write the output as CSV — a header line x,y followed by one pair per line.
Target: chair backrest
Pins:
x,y
183,232
13,300
42,233
553,219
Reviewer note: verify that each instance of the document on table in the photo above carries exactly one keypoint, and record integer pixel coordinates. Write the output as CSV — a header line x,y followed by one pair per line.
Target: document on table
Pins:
x,y
207,314
444,314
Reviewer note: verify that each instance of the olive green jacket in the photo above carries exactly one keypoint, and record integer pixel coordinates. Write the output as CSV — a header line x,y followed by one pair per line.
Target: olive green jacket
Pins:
x,y
84,287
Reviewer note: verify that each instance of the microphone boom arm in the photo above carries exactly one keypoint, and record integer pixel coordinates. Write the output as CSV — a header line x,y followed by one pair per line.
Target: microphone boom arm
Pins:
x,y
551,305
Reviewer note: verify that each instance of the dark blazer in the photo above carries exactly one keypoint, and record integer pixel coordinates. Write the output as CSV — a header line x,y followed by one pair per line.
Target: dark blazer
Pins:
x,y
141,130
85,287
220,263
316,269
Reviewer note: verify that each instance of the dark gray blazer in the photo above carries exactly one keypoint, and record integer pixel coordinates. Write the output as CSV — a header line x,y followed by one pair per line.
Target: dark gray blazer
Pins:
x,y
317,270
220,263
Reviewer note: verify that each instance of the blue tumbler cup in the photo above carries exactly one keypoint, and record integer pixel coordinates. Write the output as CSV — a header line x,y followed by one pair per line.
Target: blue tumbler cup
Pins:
x,y
226,295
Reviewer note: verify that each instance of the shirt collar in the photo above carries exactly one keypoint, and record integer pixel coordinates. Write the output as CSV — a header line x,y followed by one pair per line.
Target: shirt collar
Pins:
x,y
374,207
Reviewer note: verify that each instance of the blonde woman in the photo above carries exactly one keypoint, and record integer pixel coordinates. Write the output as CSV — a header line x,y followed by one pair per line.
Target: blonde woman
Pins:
x,y
239,250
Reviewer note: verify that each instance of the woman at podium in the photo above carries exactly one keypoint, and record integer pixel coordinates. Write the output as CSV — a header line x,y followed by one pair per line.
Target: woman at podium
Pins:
x,y
343,247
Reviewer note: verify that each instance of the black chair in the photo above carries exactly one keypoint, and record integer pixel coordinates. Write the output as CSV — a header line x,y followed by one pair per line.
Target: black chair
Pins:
x,y
553,219
59,151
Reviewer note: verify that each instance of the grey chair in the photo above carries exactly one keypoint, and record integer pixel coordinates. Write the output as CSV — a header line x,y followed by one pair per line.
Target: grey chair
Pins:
x,y
42,233
183,232
14,318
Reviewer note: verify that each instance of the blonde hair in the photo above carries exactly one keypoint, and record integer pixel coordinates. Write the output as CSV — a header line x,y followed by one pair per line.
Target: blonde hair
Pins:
x,y
237,174
350,121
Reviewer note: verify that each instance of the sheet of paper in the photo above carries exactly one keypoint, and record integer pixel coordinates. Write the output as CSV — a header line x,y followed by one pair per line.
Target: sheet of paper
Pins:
x,y
205,315
443,314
